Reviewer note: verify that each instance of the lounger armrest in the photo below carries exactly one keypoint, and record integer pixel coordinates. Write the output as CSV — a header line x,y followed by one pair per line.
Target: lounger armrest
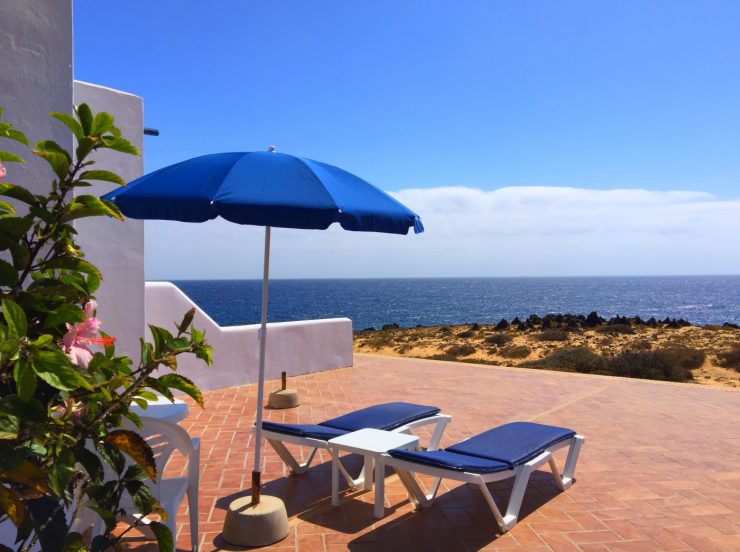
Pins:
x,y
441,421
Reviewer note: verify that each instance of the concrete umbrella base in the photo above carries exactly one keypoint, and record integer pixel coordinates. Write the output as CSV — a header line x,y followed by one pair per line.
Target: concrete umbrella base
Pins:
x,y
284,398
255,525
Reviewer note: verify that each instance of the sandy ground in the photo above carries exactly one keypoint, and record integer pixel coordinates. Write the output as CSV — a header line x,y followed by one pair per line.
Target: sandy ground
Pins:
x,y
476,344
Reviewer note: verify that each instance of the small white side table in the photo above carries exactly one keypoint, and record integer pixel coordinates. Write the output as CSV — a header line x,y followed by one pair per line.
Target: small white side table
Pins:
x,y
163,409
370,443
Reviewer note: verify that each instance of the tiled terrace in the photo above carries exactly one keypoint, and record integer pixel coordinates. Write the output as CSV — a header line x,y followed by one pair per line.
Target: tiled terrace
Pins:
x,y
660,469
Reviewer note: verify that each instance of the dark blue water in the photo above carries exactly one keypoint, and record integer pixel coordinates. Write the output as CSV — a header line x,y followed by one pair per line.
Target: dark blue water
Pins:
x,y
433,301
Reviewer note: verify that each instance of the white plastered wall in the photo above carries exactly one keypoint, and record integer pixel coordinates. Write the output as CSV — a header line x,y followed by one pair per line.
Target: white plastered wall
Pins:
x,y
293,347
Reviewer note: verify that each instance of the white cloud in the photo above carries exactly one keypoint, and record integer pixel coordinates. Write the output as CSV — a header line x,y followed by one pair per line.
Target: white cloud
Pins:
x,y
511,231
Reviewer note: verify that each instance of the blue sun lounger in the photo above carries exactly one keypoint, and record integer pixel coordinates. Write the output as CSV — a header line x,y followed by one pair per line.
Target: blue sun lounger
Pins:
x,y
511,450
400,417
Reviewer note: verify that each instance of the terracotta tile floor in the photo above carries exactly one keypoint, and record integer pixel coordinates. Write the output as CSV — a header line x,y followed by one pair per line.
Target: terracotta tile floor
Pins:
x,y
660,468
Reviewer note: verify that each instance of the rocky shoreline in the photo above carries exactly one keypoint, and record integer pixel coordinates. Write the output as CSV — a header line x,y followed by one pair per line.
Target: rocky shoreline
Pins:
x,y
669,349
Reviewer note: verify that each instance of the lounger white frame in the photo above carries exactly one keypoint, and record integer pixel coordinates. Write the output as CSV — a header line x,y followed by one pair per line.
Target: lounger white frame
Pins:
x,y
420,499
277,441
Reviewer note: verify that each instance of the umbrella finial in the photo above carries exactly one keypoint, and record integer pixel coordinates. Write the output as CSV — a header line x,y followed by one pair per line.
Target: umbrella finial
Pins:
x,y
271,149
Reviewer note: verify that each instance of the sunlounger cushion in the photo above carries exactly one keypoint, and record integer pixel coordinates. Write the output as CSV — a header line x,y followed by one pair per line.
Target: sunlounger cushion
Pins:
x,y
304,430
451,460
514,443
385,416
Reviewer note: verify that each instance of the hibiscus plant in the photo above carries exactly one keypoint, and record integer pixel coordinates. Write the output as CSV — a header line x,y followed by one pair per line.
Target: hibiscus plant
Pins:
x,y
65,395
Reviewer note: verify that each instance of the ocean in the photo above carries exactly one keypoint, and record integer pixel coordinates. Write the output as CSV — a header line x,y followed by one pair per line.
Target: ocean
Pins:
x,y
447,301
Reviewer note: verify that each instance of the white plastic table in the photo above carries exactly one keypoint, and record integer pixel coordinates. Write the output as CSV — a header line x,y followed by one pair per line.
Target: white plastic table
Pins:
x,y
370,443
163,409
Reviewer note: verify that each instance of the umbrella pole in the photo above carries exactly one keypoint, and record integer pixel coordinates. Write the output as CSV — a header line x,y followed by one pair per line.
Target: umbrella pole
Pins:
x,y
261,378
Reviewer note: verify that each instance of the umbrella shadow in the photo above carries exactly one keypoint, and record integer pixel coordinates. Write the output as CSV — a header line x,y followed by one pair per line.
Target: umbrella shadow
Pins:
x,y
458,519
308,498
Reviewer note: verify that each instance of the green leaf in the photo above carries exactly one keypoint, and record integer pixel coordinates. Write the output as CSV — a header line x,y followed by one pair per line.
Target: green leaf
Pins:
x,y
20,256
205,353
65,314
7,207
106,176
43,341
93,283
13,228
52,147
9,425
122,145
163,390
57,161
62,470
146,395
186,320
25,380
181,383
161,338
8,274
55,369
84,147
91,462
89,206
102,123
136,447
17,192
73,263
85,116
70,122
8,157
164,536
15,317
107,516
141,496
16,135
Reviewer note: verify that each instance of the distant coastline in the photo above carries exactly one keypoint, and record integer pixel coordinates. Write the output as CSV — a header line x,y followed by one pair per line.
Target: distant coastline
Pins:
x,y
667,350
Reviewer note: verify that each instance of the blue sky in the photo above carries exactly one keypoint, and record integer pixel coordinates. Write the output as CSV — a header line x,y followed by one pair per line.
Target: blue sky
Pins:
x,y
472,95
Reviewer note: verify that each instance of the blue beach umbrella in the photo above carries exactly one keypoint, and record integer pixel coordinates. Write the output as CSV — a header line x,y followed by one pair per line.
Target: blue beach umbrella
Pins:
x,y
264,189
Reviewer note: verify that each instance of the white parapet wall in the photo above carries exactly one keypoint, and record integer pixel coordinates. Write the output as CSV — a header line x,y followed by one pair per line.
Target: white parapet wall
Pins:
x,y
292,347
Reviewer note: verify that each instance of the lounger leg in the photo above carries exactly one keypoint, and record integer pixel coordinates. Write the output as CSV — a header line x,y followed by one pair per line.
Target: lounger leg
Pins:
x,y
416,494
438,431
367,473
492,505
517,494
379,509
289,459
571,461
334,477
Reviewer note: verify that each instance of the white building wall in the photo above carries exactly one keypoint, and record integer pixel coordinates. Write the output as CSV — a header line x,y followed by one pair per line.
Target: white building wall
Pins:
x,y
115,247
35,79
292,347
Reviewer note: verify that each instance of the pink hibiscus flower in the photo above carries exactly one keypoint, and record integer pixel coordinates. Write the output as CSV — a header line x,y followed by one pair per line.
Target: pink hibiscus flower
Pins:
x,y
81,334
3,172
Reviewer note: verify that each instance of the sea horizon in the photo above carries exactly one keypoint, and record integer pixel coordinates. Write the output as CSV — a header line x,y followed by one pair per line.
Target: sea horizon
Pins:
x,y
432,301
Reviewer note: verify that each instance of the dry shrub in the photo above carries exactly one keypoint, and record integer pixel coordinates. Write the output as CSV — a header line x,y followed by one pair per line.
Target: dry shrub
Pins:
x,y
571,359
460,350
553,334
730,359
670,364
515,351
497,339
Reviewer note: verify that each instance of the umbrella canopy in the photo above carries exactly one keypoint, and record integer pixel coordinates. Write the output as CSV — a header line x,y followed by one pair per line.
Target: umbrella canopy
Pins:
x,y
265,189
